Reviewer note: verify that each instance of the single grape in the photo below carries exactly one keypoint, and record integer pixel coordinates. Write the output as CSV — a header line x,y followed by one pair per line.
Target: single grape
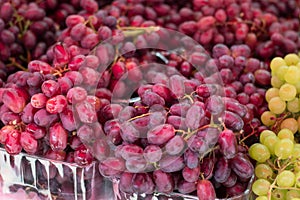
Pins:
x,y
161,134
276,63
175,145
58,137
285,179
270,142
242,166
222,170
287,92
264,134
292,75
293,105
284,148
152,153
171,163
205,190
259,152
263,171
228,143
191,175
261,187
291,59
277,105
285,133
289,123
163,181
271,92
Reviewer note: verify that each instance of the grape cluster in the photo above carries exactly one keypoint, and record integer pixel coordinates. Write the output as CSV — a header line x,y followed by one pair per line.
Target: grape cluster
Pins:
x,y
277,168
26,33
268,28
277,153
282,97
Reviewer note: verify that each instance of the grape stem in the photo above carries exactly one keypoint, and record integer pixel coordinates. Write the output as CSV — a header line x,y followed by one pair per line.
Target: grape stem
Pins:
x,y
208,151
271,187
139,116
188,97
280,169
16,64
286,188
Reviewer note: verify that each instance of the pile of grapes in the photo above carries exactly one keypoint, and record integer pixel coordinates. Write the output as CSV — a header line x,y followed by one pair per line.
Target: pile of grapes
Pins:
x,y
277,153
193,97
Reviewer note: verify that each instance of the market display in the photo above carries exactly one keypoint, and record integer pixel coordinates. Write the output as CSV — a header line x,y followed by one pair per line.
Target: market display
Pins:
x,y
195,97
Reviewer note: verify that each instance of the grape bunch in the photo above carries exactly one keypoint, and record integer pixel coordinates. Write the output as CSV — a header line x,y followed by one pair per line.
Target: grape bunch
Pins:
x,y
277,168
277,153
181,127
26,33
282,97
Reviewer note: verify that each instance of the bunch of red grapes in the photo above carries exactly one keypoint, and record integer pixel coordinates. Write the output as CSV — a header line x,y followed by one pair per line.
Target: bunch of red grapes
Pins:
x,y
166,96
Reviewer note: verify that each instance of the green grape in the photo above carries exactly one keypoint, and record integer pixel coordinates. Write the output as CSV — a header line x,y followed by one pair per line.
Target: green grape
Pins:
x,y
270,142
264,134
292,194
281,72
277,105
286,133
270,93
293,105
261,198
268,118
285,178
284,148
259,152
297,85
287,92
291,59
261,187
263,171
295,199
292,75
276,63
277,194
290,123
276,82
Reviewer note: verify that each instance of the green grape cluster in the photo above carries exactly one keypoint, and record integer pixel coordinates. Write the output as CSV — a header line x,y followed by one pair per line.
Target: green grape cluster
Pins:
x,y
278,153
278,166
283,96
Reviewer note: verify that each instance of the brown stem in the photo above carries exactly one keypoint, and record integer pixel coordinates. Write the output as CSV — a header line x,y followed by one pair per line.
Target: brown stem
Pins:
x,y
139,116
16,64
188,97
249,135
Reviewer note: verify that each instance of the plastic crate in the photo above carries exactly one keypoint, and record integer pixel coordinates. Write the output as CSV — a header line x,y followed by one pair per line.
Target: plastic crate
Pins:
x,y
51,179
